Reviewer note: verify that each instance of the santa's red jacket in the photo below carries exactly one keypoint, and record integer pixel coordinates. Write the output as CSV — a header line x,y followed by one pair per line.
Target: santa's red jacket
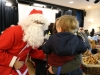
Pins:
x,y
11,44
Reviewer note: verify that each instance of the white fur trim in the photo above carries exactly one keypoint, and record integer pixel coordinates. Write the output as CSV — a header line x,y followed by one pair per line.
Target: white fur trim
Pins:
x,y
12,61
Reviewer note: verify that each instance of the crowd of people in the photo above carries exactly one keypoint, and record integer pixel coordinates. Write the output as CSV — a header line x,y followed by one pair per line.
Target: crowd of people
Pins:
x,y
55,49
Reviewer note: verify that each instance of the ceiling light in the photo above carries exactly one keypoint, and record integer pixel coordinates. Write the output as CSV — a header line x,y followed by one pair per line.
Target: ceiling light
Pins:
x,y
91,20
89,6
71,2
8,4
39,5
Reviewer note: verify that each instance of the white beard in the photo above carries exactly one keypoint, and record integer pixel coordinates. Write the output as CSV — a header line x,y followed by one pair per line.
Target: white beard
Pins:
x,y
34,35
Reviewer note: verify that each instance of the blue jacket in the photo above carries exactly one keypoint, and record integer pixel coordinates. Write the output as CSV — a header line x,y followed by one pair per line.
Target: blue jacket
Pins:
x,y
64,43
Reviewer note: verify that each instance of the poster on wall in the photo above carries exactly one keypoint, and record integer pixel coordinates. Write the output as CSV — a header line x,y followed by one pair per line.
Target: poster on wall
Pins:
x,y
24,11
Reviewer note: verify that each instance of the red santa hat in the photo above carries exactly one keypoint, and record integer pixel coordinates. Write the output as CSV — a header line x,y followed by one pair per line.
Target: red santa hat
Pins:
x,y
34,11
35,15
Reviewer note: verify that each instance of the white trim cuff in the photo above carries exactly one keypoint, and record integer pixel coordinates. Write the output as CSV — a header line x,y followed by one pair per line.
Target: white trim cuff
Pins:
x,y
12,61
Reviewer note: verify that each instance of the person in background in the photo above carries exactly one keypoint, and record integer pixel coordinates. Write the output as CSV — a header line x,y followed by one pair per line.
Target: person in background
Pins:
x,y
48,32
63,46
21,40
93,36
96,37
86,38
86,32
50,29
92,32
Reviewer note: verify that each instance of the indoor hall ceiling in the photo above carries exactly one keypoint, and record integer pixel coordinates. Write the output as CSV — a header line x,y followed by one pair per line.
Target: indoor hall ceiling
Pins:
x,y
78,4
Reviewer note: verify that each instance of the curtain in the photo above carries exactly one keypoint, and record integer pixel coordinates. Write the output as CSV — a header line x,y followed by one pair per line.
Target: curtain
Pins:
x,y
11,16
80,18
8,15
58,14
79,14
2,15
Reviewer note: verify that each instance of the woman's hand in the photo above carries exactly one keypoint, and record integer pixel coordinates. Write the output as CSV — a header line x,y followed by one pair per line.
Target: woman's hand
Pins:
x,y
30,67
50,70
18,64
29,63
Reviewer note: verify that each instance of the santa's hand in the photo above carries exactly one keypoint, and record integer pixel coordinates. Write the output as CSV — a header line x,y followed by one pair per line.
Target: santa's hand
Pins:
x,y
18,64
50,70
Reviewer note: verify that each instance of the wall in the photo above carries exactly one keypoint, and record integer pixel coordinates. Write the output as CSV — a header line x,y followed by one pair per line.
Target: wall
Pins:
x,y
92,19
24,10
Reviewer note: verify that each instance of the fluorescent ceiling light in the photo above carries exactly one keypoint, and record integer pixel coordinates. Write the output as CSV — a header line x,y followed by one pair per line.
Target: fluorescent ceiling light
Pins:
x,y
39,5
8,4
71,2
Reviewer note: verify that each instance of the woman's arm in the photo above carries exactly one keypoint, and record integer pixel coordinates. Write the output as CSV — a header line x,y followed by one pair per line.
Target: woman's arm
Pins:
x,y
70,66
30,67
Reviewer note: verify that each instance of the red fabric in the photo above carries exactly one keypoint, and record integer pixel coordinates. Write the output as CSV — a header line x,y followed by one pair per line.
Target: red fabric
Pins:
x,y
34,11
81,67
11,44
37,54
55,60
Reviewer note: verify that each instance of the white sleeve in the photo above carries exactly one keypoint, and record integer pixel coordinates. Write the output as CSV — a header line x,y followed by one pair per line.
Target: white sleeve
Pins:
x,y
12,61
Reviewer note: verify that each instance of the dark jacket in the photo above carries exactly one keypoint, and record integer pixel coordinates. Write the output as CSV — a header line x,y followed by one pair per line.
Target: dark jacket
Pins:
x,y
64,43
86,41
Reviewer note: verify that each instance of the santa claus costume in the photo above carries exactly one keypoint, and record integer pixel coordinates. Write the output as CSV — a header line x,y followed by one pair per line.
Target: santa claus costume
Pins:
x,y
18,41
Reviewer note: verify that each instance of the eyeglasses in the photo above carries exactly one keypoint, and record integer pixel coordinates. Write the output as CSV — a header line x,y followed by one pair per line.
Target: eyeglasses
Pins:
x,y
37,22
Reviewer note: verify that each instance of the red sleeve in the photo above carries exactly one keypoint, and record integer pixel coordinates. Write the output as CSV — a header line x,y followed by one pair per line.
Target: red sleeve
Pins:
x,y
38,54
6,43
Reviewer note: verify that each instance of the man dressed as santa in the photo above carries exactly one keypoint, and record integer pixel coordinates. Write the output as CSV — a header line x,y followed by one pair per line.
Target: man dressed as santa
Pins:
x,y
17,42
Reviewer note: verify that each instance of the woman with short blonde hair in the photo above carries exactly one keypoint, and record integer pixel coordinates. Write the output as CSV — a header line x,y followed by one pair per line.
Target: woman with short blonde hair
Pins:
x,y
64,47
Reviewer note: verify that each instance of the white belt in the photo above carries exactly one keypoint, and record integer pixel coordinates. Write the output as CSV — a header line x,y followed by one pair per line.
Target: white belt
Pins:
x,y
18,71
